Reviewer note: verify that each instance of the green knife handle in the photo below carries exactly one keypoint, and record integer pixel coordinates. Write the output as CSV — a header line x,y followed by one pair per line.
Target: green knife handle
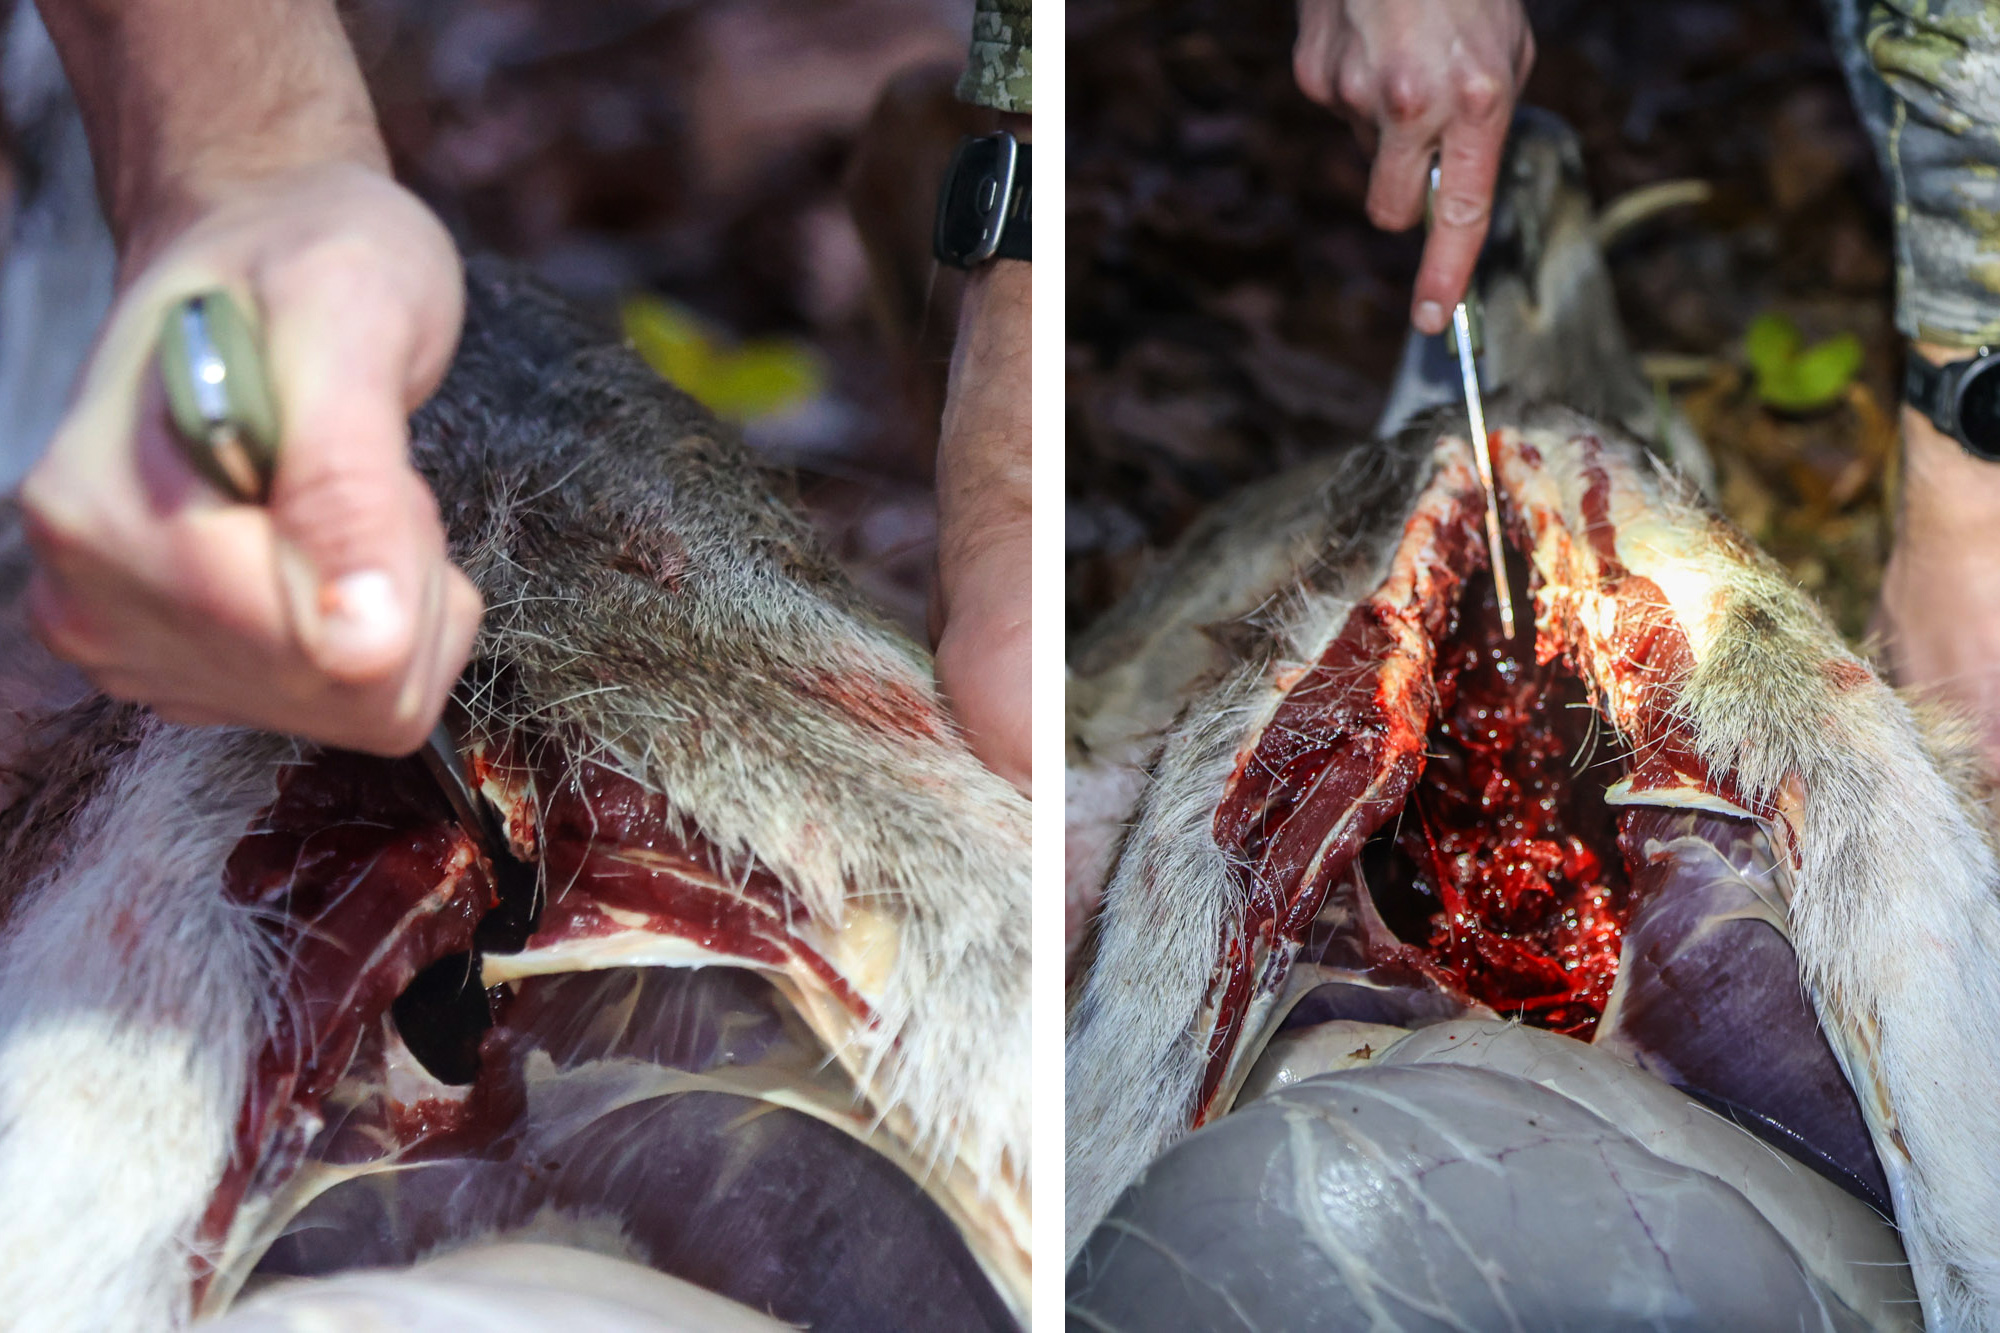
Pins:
x,y
218,396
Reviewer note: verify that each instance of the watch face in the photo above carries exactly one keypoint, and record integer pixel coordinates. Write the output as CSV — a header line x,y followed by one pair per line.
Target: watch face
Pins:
x,y
973,204
1979,408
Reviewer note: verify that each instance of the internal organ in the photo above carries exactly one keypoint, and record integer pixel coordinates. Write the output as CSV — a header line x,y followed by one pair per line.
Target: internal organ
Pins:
x,y
1509,879
610,1099
628,1103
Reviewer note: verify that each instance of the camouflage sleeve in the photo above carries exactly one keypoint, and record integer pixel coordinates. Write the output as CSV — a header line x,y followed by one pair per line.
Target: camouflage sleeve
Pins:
x,y
1929,89
997,69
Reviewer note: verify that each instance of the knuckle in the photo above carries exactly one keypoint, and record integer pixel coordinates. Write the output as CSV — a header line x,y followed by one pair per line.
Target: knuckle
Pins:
x,y
347,510
56,626
1406,95
128,687
345,261
56,530
1389,212
1480,94
1310,73
115,684
1356,85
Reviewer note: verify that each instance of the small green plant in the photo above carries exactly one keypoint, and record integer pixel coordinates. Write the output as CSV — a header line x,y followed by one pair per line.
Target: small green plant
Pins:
x,y
1792,377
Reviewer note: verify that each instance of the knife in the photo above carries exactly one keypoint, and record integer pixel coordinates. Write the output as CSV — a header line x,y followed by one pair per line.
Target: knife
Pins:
x,y
226,423
1463,337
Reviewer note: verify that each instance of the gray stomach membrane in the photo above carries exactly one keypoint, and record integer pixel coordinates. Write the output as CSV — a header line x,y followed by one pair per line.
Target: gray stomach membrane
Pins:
x,y
1482,1175
608,1124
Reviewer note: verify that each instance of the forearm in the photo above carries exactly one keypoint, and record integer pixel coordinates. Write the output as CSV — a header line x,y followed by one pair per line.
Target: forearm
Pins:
x,y
181,98
988,392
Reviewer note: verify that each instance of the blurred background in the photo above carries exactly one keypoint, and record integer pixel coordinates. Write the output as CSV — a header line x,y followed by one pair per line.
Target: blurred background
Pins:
x,y
745,185
1231,309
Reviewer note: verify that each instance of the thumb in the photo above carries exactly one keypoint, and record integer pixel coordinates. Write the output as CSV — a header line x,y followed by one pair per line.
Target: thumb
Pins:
x,y
360,550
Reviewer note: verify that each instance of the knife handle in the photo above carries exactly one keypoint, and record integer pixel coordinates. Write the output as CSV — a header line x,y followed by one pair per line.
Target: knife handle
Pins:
x,y
224,416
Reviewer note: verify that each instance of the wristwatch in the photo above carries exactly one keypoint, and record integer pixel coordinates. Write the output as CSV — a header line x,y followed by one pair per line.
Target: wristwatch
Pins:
x,y
1962,398
982,209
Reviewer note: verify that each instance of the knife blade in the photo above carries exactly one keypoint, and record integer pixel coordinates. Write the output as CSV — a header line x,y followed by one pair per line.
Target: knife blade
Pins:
x,y
1482,453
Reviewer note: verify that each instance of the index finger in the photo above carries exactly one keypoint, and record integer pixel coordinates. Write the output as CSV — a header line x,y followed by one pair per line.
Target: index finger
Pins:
x,y
1469,164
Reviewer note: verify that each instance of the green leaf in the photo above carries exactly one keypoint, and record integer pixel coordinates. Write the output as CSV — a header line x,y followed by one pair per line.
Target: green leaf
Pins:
x,y
1771,342
1791,377
1823,371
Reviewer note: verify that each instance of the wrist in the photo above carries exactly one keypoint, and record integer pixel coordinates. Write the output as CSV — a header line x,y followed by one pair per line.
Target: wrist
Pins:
x,y
1945,489
1945,486
996,291
994,322
266,197
181,181
187,101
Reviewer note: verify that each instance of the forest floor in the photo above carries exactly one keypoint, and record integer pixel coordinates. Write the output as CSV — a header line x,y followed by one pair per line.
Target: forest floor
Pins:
x,y
1231,310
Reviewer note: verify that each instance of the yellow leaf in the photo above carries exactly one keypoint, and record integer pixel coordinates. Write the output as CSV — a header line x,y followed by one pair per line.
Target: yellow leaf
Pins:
x,y
743,382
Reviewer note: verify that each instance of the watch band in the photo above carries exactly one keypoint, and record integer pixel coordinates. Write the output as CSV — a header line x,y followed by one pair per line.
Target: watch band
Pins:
x,y
1924,388
1938,392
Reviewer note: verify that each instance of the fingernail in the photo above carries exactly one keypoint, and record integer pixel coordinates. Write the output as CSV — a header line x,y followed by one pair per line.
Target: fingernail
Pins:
x,y
1430,317
360,615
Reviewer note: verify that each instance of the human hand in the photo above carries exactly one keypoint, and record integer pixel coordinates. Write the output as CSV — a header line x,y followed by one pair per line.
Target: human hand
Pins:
x,y
1420,78
333,613
980,602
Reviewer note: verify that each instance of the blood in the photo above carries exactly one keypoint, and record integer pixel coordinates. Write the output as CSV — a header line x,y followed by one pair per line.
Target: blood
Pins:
x,y
364,881
1333,764
876,701
615,855
361,881
1506,872
1449,761
1598,528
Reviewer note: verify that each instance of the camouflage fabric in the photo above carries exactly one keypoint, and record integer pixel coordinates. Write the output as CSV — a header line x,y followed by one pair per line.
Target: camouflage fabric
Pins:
x,y
1926,76
998,68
